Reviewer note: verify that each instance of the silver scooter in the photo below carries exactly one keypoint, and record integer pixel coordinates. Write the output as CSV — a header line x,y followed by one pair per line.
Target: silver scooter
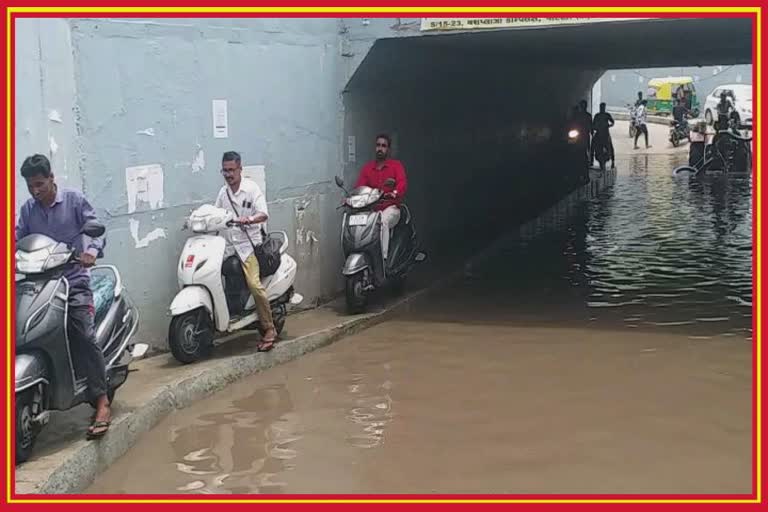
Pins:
x,y
46,378
364,269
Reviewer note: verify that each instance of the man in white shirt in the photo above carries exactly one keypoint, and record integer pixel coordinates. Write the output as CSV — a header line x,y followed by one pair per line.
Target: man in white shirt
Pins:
x,y
641,123
244,198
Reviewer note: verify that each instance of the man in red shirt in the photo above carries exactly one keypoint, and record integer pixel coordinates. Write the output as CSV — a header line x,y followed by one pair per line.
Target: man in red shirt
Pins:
x,y
374,174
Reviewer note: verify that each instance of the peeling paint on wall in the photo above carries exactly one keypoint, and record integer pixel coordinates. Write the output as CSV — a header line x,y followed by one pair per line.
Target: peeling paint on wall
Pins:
x,y
52,145
55,116
153,235
144,185
198,161
300,209
149,132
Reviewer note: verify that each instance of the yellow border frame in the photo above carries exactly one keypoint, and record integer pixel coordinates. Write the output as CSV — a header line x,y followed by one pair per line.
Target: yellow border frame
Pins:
x,y
757,184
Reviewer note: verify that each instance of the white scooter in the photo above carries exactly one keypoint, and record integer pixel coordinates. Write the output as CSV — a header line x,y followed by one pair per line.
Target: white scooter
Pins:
x,y
214,295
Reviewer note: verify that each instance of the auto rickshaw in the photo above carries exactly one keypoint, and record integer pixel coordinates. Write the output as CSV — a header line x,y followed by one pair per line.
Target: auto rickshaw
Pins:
x,y
662,93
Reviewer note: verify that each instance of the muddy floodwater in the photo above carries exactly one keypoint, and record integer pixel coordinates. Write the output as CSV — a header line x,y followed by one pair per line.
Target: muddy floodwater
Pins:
x,y
609,352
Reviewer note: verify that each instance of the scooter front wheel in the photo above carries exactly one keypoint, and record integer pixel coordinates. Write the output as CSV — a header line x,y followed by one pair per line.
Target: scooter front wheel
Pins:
x,y
26,430
355,294
190,336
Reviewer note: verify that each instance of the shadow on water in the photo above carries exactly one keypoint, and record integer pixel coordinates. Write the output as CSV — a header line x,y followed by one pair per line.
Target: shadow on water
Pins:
x,y
652,252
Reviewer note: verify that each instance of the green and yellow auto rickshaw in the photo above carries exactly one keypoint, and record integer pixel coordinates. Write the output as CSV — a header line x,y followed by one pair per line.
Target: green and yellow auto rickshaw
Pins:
x,y
662,93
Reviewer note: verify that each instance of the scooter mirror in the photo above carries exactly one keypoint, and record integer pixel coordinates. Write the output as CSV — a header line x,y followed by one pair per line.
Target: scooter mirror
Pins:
x,y
339,182
93,229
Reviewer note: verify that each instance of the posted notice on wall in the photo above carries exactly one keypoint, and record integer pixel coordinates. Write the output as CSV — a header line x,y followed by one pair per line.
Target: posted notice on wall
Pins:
x,y
144,187
351,149
220,121
429,24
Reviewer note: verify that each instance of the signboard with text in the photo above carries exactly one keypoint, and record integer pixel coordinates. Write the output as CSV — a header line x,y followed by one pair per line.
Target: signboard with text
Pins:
x,y
430,24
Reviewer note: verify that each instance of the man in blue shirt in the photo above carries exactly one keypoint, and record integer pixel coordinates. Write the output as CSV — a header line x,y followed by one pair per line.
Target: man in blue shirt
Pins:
x,y
60,214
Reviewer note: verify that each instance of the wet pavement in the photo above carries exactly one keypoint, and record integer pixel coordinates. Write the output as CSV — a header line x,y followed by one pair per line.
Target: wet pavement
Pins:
x,y
609,352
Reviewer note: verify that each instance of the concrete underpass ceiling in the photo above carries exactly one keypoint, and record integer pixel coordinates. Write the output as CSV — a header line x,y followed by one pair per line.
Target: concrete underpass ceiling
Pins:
x,y
614,45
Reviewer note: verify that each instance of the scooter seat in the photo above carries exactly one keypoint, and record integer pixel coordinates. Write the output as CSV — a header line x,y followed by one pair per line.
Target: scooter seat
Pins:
x,y
103,287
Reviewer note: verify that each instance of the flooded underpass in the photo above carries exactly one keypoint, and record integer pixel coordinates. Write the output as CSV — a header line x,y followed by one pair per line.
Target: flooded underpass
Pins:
x,y
609,352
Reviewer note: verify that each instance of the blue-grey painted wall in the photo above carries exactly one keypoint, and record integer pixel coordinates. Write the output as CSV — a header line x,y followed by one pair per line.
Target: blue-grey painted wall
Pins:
x,y
134,92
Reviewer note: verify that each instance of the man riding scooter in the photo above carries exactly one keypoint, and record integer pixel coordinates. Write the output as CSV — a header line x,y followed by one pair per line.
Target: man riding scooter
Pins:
x,y
244,198
680,129
378,235
374,174
680,114
60,213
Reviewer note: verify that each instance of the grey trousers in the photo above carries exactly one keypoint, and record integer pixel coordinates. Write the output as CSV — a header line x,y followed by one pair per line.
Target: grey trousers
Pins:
x,y
86,355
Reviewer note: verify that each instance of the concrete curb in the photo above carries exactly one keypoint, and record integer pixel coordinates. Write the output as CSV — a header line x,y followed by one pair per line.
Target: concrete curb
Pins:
x,y
75,467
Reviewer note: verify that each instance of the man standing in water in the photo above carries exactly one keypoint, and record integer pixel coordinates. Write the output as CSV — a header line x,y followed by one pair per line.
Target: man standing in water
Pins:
x,y
641,121
602,124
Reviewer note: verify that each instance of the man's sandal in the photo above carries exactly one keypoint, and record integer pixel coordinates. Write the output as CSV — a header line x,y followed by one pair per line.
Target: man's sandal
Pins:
x,y
98,429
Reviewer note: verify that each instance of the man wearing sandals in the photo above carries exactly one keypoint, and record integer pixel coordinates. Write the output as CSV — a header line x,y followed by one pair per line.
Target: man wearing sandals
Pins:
x,y
60,214
244,199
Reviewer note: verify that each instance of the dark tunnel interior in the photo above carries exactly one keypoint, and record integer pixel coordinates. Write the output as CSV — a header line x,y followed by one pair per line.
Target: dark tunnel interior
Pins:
x,y
478,118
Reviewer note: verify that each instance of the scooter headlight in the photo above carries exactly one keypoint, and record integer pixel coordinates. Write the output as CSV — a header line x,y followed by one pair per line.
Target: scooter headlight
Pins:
x,y
573,134
36,262
30,262
365,199
357,201
199,226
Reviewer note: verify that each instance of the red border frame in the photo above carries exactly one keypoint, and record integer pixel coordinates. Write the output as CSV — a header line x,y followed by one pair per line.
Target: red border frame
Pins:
x,y
16,501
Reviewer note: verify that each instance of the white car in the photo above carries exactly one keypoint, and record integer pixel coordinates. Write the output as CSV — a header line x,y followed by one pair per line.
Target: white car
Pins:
x,y
741,96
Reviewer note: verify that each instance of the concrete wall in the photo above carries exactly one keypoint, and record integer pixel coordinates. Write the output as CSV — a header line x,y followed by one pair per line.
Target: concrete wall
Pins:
x,y
143,96
45,100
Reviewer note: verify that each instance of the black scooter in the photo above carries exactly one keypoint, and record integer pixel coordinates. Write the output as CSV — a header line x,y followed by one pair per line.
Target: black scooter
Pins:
x,y
46,378
679,131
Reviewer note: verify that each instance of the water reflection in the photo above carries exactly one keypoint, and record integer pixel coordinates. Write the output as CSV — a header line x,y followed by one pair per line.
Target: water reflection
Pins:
x,y
371,411
244,447
652,251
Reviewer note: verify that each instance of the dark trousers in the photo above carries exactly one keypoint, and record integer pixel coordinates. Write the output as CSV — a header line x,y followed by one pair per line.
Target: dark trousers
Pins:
x,y
603,139
86,355
642,128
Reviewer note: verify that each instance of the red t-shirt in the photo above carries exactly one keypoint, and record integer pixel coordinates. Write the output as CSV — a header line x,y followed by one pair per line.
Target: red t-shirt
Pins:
x,y
372,177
